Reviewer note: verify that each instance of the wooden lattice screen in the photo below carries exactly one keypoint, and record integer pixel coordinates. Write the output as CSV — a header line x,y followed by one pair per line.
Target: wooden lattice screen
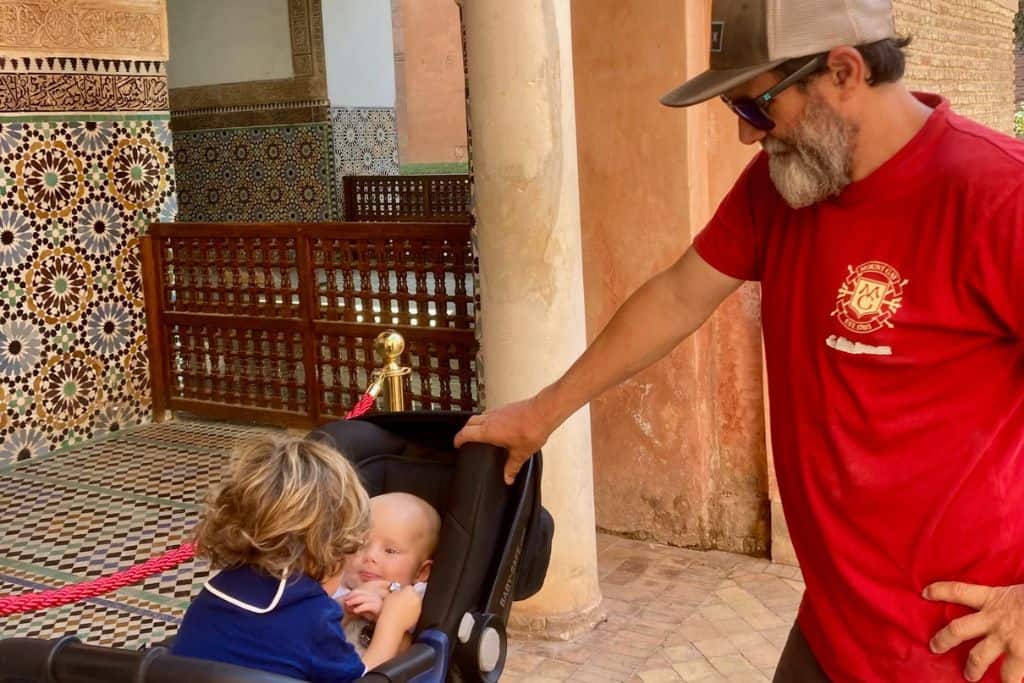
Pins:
x,y
277,322
417,198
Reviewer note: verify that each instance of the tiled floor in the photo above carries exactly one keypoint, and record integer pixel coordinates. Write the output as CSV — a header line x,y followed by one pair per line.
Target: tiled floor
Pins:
x,y
104,506
673,615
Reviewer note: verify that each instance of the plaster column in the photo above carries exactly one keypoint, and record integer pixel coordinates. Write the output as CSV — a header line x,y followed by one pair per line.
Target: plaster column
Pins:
x,y
531,279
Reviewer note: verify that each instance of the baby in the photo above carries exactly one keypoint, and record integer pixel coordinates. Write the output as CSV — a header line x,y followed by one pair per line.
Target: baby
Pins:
x,y
404,531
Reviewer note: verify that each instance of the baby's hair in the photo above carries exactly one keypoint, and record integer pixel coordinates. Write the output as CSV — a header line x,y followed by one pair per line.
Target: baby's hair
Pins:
x,y
288,505
432,526
430,531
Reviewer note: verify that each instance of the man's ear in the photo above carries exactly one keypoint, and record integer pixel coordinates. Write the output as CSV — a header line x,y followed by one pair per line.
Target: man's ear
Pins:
x,y
424,572
847,70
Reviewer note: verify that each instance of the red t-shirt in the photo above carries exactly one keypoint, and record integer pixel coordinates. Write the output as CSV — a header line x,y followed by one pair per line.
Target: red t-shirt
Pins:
x,y
894,335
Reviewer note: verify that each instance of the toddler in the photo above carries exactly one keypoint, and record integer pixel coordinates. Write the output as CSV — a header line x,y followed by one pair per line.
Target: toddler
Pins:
x,y
280,530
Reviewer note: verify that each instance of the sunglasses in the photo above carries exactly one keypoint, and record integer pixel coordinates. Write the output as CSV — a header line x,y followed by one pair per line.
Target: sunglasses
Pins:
x,y
754,110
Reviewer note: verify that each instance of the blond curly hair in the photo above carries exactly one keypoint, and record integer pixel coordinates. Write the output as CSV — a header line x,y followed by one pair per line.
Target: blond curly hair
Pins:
x,y
288,504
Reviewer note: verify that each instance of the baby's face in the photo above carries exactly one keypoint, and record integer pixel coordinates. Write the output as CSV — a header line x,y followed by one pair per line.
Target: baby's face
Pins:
x,y
395,549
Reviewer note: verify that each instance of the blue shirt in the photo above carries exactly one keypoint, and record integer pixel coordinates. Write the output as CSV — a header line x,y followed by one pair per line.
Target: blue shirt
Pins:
x,y
301,637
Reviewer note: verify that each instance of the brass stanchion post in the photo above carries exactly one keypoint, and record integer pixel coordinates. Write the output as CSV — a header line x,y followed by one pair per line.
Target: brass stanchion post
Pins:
x,y
389,346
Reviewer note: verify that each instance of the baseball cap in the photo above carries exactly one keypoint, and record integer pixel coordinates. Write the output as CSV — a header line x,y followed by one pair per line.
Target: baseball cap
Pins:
x,y
750,37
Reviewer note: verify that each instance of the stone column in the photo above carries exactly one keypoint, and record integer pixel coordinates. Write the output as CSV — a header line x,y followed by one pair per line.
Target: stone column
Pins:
x,y
527,209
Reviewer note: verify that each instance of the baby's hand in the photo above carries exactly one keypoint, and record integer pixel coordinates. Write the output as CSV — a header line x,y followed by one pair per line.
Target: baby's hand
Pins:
x,y
379,587
402,609
364,602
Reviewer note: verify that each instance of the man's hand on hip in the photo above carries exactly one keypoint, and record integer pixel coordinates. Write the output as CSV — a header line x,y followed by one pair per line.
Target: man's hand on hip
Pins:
x,y
998,622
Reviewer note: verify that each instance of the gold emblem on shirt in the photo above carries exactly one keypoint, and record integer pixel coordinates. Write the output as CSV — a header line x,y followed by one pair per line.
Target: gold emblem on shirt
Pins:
x,y
869,296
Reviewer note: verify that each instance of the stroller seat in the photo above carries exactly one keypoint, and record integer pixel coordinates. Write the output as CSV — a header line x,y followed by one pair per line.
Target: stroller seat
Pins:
x,y
494,548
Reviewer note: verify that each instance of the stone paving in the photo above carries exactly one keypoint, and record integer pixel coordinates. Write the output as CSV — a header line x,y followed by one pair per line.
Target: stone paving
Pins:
x,y
673,615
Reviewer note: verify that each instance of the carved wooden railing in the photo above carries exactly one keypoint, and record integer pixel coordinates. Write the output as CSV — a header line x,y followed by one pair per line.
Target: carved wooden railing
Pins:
x,y
417,198
276,323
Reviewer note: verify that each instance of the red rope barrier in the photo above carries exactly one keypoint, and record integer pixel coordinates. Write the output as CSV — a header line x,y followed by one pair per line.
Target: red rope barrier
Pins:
x,y
30,602
363,407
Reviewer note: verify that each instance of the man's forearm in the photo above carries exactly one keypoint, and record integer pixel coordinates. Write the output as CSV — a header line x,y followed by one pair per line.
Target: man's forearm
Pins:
x,y
654,320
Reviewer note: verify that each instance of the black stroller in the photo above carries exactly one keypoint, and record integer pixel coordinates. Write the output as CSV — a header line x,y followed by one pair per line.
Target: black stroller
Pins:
x,y
494,548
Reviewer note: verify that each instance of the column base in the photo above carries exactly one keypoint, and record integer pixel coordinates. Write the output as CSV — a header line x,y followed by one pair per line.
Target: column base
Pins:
x,y
558,626
782,547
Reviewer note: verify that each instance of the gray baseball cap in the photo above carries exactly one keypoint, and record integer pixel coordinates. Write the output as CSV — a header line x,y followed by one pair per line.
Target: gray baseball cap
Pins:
x,y
750,37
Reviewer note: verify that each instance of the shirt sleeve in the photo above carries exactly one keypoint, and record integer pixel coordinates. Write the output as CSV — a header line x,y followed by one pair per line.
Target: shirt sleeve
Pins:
x,y
731,242
998,264
333,659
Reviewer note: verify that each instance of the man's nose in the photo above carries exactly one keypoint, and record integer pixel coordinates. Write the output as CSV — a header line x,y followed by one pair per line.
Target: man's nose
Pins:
x,y
748,133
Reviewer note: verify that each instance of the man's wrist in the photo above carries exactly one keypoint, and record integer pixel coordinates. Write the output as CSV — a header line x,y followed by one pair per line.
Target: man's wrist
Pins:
x,y
551,407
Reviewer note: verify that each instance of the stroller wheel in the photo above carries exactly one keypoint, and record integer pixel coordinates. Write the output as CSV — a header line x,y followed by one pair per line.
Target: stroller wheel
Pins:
x,y
491,649
482,647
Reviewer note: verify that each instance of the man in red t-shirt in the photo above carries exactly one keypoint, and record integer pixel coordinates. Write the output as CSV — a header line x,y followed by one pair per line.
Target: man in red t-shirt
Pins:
x,y
888,237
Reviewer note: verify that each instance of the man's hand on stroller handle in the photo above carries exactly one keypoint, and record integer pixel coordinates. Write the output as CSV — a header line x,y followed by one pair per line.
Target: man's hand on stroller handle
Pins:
x,y
521,428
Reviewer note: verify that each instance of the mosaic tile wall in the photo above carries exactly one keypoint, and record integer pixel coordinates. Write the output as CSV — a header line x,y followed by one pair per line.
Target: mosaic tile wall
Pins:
x,y
365,141
282,173
76,192
263,174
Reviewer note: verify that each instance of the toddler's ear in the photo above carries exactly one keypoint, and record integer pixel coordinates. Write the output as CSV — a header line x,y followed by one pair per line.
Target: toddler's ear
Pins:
x,y
424,573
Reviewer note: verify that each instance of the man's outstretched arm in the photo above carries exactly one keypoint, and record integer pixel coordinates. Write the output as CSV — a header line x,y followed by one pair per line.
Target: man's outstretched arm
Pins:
x,y
654,320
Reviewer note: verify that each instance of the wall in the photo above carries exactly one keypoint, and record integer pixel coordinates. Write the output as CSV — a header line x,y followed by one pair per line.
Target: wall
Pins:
x,y
679,450
360,53
431,86
365,142
85,166
259,174
276,150
963,50
228,41
361,84
1019,78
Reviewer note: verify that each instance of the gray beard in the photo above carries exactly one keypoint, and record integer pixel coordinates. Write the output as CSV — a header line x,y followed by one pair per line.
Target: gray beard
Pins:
x,y
815,162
